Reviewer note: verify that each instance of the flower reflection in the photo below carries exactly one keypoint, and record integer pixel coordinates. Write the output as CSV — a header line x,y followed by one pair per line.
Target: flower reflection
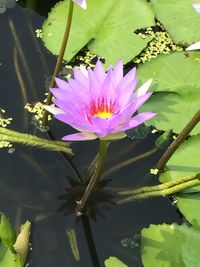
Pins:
x,y
101,199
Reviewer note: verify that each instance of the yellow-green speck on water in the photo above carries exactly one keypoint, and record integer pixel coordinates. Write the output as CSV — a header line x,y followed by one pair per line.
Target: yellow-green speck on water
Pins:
x,y
162,43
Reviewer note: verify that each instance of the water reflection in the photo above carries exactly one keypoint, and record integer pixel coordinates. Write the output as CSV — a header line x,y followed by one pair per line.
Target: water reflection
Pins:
x,y
102,198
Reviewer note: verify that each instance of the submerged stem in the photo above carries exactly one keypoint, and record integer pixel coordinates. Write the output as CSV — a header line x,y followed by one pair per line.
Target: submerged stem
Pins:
x,y
59,60
103,145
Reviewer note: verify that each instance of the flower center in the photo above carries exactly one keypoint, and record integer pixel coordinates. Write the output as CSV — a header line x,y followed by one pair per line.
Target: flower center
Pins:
x,y
102,108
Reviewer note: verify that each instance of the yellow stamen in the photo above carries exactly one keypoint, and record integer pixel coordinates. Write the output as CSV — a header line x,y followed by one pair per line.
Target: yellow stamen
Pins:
x,y
104,114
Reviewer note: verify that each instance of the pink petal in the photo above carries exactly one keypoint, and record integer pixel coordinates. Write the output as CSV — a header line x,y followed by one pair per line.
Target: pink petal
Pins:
x,y
61,84
137,120
128,79
53,110
81,3
80,76
99,72
79,137
107,87
114,136
94,84
143,88
117,73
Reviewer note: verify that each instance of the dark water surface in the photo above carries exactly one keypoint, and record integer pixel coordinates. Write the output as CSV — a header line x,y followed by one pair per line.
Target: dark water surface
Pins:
x,y
31,180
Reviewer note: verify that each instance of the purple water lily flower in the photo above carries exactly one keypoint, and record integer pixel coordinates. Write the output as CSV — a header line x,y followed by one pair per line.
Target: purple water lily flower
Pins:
x,y
81,3
100,104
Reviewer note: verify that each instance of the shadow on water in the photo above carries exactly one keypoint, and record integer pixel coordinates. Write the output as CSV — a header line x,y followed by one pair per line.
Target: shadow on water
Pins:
x,y
33,182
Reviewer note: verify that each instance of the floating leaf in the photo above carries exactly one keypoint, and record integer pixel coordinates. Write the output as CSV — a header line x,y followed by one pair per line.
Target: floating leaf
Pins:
x,y
185,161
107,27
114,262
179,18
189,206
190,251
166,245
177,74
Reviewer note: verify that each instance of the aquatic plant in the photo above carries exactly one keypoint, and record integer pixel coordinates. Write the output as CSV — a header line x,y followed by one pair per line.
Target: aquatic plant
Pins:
x,y
100,104
108,105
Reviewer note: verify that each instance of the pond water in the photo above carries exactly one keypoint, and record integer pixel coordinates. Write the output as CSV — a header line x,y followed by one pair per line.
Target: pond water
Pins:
x,y
32,180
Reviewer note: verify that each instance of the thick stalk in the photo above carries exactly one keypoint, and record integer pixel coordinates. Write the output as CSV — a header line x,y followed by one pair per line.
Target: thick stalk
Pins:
x,y
59,60
103,145
176,143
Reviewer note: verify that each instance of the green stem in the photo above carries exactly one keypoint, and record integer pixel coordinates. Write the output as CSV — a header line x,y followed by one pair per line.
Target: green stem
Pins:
x,y
165,189
59,60
176,143
32,140
103,145
159,187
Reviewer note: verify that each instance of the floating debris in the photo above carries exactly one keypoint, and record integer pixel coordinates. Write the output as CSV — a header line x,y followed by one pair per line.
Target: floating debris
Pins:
x,y
154,171
4,122
39,33
162,43
38,111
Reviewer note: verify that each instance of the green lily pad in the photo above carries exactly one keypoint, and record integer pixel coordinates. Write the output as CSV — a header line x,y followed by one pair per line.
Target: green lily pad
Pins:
x,y
190,251
179,18
189,205
106,27
176,80
114,262
166,245
185,161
